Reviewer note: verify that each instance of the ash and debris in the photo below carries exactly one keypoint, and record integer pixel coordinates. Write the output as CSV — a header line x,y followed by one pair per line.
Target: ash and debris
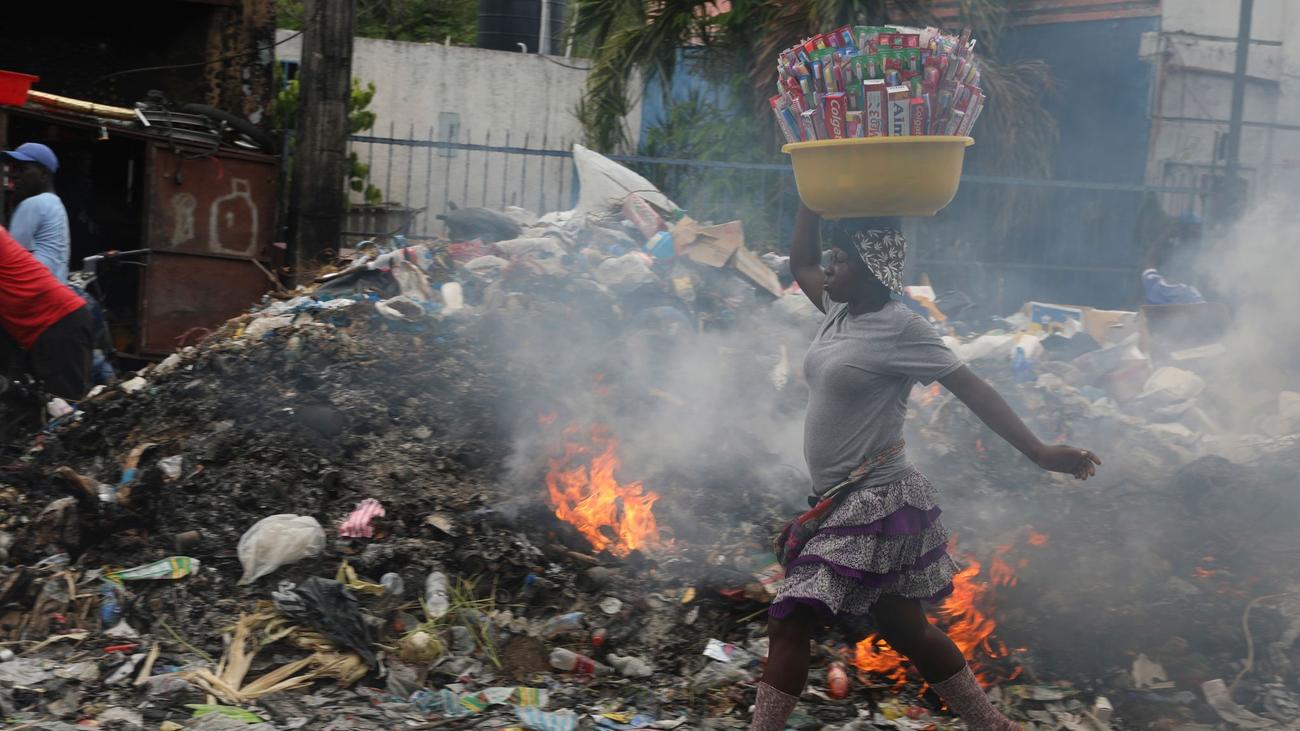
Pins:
x,y
444,380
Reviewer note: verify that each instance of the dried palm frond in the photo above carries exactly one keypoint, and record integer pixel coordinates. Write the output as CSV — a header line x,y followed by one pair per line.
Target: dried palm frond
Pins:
x,y
254,631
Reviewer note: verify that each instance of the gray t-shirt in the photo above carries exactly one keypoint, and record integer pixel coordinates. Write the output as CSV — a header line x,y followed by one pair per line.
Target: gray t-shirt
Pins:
x,y
860,370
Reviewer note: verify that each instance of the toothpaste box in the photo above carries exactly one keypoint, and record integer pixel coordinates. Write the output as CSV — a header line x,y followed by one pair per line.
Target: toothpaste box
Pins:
x,y
899,120
834,107
875,106
918,119
781,108
854,120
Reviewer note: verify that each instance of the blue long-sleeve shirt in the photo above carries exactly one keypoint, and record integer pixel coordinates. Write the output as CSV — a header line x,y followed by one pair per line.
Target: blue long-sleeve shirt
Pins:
x,y
1160,291
40,224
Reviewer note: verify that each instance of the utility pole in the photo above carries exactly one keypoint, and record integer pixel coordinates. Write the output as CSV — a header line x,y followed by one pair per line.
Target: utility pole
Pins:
x,y
318,196
1229,193
1239,86
544,35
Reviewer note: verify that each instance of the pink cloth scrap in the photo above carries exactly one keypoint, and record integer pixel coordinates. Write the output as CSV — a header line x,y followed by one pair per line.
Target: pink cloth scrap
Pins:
x,y
358,523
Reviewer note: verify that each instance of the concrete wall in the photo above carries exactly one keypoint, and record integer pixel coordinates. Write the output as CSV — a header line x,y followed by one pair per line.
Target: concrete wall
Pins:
x,y
1196,53
451,93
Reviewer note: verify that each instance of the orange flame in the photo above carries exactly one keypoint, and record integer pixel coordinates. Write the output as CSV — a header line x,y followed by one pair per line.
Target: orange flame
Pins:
x,y
1000,572
1036,539
612,516
963,617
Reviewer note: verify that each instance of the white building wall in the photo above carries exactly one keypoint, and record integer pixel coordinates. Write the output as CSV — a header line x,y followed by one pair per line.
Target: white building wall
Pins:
x,y
1192,94
427,91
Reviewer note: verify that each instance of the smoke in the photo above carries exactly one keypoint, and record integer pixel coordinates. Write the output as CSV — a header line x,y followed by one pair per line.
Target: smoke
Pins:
x,y
1251,267
710,416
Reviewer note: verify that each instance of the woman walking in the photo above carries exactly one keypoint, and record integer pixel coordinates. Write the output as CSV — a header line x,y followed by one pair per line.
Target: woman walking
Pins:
x,y
874,544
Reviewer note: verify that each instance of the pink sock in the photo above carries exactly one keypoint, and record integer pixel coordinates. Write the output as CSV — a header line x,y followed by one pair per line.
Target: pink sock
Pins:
x,y
772,708
964,696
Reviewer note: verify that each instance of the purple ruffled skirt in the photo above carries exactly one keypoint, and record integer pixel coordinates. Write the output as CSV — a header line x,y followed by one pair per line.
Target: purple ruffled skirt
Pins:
x,y
881,540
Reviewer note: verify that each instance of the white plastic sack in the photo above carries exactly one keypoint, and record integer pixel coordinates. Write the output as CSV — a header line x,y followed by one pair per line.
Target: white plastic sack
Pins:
x,y
987,346
605,184
277,540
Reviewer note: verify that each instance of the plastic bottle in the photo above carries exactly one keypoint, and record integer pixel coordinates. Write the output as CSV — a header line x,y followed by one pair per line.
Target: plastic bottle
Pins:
x,y
110,609
570,661
837,681
718,674
1021,368
630,667
557,626
393,584
437,599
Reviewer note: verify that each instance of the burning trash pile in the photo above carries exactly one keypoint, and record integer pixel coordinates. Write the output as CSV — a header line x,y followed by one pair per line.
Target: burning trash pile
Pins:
x,y
527,478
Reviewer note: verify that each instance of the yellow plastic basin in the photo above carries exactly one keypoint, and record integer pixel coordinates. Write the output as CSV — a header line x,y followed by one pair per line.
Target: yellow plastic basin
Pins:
x,y
878,176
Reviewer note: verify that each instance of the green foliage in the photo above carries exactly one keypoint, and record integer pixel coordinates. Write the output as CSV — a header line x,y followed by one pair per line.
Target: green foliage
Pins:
x,y
696,129
284,116
421,21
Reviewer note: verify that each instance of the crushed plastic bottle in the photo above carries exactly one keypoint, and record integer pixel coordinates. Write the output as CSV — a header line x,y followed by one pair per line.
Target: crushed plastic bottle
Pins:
x,y
393,584
717,674
437,597
562,624
837,681
630,667
570,661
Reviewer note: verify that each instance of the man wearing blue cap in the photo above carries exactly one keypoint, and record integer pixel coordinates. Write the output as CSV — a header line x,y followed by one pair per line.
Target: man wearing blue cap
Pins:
x,y
40,223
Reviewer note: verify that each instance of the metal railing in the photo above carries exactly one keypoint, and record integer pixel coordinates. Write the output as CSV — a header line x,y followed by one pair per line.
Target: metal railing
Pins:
x,y
1086,241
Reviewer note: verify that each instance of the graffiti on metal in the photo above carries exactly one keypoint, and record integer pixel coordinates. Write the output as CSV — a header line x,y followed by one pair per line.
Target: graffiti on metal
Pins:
x,y
216,205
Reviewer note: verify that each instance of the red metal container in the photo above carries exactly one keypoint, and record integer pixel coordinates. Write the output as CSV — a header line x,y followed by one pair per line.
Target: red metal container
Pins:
x,y
14,87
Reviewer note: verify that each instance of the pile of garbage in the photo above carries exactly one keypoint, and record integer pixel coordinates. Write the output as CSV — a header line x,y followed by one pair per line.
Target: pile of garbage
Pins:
x,y
364,504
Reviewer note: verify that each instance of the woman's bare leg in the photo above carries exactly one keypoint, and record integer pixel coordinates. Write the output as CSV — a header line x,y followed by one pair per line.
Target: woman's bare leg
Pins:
x,y
786,671
788,654
904,626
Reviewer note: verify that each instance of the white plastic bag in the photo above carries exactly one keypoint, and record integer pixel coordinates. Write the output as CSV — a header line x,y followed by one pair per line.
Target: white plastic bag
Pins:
x,y
278,540
604,184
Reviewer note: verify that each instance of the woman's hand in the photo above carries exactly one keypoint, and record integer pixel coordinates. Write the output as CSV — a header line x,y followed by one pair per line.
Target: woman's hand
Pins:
x,y
1071,460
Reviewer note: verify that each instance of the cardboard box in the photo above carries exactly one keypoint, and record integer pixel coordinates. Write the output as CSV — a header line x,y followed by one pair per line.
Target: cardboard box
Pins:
x,y
1105,326
1109,326
724,246
1045,314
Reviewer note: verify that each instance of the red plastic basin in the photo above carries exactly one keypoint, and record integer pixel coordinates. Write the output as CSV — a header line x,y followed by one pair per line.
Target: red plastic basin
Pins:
x,y
14,87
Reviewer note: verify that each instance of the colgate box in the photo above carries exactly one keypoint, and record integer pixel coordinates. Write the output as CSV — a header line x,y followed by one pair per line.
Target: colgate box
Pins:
x,y
918,120
834,109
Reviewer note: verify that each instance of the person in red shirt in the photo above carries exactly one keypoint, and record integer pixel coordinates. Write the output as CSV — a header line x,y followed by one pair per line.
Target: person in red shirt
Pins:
x,y
45,319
